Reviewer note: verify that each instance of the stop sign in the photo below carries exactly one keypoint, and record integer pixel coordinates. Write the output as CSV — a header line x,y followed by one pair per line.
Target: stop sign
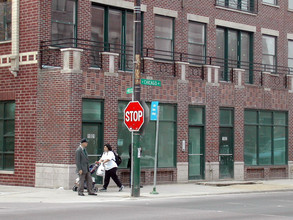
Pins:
x,y
133,116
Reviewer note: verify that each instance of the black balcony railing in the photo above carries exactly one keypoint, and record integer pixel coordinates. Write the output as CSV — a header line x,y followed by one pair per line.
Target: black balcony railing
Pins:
x,y
250,6
165,61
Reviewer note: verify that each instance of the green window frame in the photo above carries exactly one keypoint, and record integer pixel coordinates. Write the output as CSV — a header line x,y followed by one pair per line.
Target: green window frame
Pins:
x,y
243,5
7,135
269,53
272,2
196,42
64,23
167,138
265,138
234,50
114,34
5,20
164,37
290,54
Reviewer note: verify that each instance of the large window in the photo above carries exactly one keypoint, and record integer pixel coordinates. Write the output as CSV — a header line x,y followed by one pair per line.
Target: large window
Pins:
x,y
245,5
7,129
265,138
269,58
234,50
5,20
272,2
64,16
112,30
167,138
196,42
290,55
164,37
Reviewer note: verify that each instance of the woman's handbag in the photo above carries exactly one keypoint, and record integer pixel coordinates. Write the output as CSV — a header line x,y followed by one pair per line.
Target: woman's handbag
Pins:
x,y
101,170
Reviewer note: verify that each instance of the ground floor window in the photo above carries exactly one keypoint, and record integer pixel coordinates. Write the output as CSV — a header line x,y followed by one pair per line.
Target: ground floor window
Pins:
x,y
167,138
7,130
265,137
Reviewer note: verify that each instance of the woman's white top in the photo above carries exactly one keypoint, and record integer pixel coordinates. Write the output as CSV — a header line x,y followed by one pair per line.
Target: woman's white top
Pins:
x,y
110,156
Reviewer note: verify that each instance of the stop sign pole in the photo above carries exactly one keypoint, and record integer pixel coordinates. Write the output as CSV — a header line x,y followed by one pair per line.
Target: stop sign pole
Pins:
x,y
135,177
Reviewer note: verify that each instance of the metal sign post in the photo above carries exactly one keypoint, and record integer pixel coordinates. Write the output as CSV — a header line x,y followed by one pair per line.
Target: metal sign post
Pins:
x,y
155,113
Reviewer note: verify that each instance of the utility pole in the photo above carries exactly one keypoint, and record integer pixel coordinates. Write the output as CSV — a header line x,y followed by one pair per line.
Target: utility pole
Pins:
x,y
135,190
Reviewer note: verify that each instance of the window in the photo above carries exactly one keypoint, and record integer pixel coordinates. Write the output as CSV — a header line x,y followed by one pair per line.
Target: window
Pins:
x,y
167,138
290,4
5,20
269,59
234,50
112,30
7,129
196,43
244,5
64,16
164,42
273,2
265,137
290,55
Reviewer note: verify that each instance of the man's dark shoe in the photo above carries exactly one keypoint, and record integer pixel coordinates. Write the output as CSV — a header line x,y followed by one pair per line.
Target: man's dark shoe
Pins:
x,y
92,194
80,194
103,190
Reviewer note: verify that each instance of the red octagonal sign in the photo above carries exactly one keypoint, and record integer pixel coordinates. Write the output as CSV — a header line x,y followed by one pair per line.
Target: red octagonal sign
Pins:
x,y
133,116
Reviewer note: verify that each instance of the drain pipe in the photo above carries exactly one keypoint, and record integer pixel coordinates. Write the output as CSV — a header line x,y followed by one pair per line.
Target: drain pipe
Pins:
x,y
14,38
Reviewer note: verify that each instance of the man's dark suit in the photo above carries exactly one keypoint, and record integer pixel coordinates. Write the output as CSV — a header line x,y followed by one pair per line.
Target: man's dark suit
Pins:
x,y
82,163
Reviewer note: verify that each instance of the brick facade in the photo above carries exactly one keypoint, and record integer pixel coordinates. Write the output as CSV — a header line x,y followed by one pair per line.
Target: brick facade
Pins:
x,y
49,101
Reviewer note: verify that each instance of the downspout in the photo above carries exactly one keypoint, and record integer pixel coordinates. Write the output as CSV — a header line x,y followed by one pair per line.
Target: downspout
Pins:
x,y
14,38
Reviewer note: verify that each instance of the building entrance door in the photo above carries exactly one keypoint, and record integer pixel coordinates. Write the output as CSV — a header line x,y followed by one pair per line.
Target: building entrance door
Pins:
x,y
93,133
195,153
226,153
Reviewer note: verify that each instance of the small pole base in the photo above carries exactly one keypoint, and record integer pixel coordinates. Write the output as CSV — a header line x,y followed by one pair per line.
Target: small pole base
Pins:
x,y
154,191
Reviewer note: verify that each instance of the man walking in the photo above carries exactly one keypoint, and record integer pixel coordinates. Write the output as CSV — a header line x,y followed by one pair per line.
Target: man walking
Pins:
x,y
82,167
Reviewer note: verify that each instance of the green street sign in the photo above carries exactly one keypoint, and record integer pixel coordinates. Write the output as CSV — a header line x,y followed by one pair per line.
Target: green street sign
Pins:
x,y
129,90
150,82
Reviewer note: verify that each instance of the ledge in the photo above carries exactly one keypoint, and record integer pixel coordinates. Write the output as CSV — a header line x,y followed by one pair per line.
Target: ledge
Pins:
x,y
268,4
6,172
5,42
235,10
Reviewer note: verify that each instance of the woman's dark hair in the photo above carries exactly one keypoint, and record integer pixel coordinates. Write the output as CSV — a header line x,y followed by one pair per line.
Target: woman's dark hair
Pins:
x,y
108,146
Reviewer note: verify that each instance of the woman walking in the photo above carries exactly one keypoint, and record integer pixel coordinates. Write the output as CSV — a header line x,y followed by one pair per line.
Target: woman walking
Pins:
x,y
108,158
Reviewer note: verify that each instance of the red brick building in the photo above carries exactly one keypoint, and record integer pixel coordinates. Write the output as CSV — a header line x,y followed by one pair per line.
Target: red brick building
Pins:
x,y
226,93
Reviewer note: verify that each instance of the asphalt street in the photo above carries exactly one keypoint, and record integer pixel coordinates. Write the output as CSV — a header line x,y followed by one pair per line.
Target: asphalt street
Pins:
x,y
256,206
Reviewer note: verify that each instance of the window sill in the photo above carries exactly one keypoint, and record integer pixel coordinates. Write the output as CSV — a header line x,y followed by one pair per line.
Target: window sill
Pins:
x,y
238,11
5,42
290,10
274,6
6,172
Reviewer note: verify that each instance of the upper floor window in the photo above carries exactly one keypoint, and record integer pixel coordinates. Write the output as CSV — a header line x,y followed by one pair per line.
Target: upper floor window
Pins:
x,y
290,4
272,2
64,18
7,128
164,37
290,55
196,42
269,58
112,30
243,5
234,50
5,20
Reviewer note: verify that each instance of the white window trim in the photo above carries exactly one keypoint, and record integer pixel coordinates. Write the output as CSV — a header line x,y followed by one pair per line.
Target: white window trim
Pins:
x,y
120,4
165,12
270,32
198,18
237,26
290,36
268,4
235,10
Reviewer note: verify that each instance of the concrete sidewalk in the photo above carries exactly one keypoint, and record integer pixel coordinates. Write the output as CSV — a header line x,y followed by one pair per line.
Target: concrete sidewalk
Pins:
x,y
17,194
